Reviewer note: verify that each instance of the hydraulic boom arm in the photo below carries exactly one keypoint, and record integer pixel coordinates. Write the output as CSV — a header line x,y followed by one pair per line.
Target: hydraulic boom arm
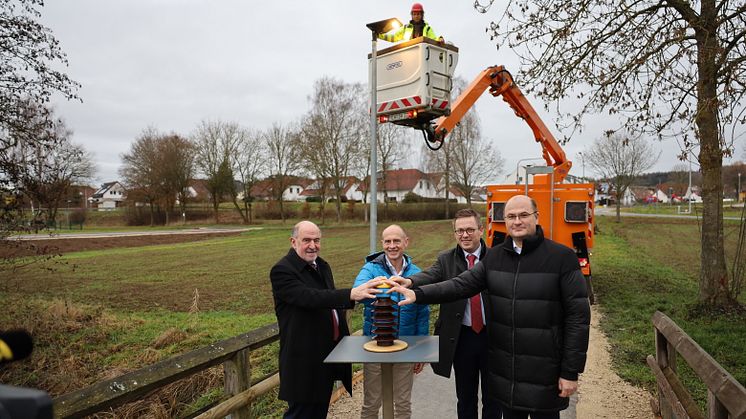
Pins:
x,y
500,83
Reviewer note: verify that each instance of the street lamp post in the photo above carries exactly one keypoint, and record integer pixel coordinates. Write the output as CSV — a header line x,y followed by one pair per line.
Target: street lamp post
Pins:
x,y
738,193
381,26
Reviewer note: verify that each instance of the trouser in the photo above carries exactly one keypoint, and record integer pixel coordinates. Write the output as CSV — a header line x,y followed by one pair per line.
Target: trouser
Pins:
x,y
469,363
522,414
298,410
403,375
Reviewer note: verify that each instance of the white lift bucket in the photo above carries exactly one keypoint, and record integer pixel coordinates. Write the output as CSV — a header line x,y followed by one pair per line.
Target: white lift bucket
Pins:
x,y
414,81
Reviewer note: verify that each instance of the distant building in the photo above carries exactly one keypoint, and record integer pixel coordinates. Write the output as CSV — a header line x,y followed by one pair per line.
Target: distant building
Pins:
x,y
263,190
109,196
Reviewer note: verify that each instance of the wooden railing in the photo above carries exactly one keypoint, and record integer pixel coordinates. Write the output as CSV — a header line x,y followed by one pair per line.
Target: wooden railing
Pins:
x,y
233,353
726,397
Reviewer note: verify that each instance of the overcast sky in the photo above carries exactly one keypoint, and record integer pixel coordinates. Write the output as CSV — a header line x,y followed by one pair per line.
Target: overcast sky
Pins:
x,y
173,63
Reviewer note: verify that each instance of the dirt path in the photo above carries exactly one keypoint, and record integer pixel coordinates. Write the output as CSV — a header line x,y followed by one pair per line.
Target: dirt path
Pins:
x,y
602,393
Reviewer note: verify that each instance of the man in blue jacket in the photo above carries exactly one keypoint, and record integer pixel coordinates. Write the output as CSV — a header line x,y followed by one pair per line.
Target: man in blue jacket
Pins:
x,y
414,320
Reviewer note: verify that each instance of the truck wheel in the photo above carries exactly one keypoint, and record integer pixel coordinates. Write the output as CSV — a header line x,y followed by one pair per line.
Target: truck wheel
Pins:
x,y
589,284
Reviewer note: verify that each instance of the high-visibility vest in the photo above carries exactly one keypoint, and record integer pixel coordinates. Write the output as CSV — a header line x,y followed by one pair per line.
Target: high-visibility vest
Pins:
x,y
405,33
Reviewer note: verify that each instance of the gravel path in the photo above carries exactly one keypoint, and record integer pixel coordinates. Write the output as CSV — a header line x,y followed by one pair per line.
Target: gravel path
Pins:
x,y
602,393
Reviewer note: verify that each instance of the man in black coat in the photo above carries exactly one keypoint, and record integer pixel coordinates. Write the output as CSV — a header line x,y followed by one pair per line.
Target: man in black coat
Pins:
x,y
310,315
463,337
539,315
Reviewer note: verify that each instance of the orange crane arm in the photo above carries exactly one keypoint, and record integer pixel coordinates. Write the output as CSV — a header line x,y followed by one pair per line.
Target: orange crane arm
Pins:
x,y
500,83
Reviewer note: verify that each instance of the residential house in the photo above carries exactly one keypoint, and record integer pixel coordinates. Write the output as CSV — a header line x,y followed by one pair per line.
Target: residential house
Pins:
x,y
109,196
351,191
394,185
77,196
263,190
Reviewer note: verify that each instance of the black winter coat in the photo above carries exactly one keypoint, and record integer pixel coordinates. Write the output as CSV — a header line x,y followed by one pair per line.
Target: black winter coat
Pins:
x,y
449,264
304,299
539,319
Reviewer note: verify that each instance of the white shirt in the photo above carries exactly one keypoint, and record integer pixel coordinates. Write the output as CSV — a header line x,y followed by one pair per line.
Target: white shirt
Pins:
x,y
466,321
392,268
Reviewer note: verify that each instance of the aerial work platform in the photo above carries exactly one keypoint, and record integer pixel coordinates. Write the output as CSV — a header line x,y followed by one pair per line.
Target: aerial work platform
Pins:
x,y
414,80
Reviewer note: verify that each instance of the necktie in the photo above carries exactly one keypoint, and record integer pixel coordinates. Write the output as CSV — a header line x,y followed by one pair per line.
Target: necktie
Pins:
x,y
335,325
475,303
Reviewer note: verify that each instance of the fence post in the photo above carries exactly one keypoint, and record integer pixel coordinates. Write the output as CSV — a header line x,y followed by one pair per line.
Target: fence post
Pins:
x,y
666,357
715,409
237,379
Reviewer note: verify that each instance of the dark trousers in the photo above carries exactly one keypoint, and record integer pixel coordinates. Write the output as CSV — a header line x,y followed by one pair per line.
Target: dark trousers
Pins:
x,y
306,410
522,414
469,362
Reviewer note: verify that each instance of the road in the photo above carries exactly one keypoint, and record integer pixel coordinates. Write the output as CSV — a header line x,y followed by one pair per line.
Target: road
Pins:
x,y
200,230
611,211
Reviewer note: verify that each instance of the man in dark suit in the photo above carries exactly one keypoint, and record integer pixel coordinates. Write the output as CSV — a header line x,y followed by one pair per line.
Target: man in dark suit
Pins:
x,y
461,324
310,315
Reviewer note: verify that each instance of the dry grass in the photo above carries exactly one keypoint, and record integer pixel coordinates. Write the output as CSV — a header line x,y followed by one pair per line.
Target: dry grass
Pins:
x,y
170,401
169,337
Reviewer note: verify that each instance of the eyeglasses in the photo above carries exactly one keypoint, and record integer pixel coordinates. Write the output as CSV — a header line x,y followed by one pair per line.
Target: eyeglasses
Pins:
x,y
522,216
461,231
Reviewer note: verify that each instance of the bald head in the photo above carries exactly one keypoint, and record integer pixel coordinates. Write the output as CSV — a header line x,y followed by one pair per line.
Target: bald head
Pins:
x,y
306,240
521,200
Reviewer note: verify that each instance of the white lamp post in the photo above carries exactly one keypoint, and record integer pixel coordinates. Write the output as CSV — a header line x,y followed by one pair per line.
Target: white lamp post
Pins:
x,y
381,26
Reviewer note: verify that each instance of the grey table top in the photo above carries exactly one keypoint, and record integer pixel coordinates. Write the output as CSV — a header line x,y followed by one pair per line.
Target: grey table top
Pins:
x,y
350,349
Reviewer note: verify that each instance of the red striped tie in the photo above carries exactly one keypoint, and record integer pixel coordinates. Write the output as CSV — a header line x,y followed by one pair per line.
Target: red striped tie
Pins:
x,y
475,303
335,325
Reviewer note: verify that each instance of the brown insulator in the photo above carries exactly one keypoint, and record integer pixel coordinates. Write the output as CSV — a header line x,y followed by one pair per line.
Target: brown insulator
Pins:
x,y
384,321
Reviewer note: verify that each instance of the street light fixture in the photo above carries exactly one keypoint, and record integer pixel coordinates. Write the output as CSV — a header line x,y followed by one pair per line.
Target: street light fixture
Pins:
x,y
381,26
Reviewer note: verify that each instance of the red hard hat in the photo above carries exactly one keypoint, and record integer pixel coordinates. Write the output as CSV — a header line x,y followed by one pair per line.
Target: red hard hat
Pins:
x,y
417,8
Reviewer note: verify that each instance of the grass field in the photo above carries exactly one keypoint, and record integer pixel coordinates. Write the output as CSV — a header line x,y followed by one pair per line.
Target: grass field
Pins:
x,y
642,265
97,314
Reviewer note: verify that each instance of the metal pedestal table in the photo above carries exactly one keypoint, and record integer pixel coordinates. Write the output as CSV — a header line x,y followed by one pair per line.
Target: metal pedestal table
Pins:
x,y
350,350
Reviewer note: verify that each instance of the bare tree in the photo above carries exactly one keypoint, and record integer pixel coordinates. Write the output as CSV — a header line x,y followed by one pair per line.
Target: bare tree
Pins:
x,y
392,143
29,54
216,142
176,168
475,161
284,161
29,58
441,161
139,170
620,159
157,170
249,163
670,69
333,135
45,174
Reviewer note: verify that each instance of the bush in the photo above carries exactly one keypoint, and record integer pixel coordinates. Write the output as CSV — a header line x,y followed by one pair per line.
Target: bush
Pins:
x,y
78,216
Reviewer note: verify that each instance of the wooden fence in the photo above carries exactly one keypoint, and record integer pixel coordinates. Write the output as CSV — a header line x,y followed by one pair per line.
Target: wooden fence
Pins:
x,y
233,353
726,398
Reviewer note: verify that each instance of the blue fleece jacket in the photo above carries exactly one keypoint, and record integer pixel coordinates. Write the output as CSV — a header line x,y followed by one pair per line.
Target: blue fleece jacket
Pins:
x,y
414,319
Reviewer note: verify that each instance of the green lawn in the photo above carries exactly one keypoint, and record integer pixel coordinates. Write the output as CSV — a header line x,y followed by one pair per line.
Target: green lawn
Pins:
x,y
100,313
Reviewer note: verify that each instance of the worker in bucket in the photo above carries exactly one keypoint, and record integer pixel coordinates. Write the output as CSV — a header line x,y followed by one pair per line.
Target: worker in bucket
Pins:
x,y
416,28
